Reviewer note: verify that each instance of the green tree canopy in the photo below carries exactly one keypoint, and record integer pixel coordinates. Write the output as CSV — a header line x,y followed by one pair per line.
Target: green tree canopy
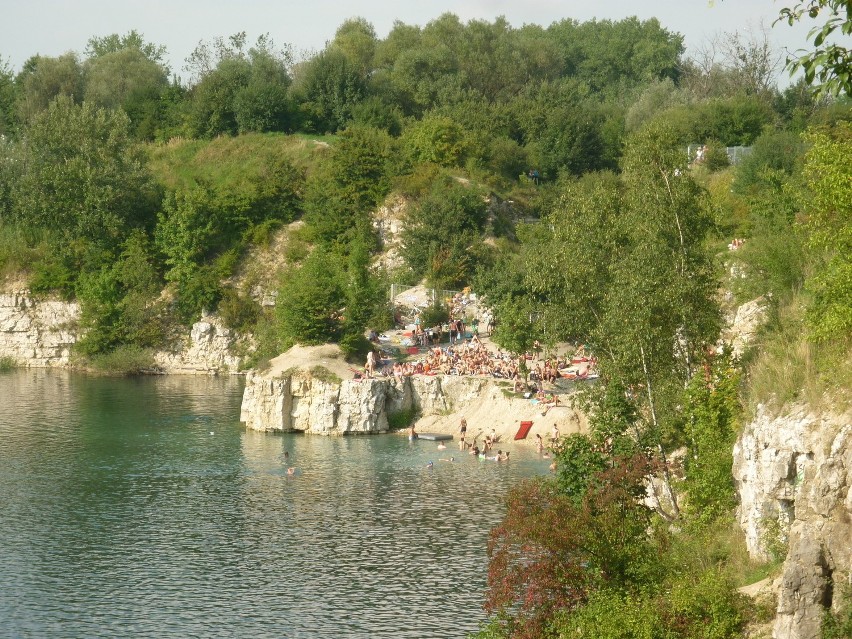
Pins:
x,y
81,172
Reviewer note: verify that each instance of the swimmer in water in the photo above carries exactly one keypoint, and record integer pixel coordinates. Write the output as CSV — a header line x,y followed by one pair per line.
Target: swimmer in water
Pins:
x,y
291,470
430,465
451,459
441,446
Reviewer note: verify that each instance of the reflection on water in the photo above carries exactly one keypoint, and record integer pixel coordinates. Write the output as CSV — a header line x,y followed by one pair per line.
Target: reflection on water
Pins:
x,y
141,507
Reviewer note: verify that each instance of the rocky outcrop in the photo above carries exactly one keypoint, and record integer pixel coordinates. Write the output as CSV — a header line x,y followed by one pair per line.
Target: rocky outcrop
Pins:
x,y
40,333
794,477
208,349
37,332
743,324
316,402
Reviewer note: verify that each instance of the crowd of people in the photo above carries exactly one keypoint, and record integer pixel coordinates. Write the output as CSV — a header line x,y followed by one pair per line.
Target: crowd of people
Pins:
x,y
473,358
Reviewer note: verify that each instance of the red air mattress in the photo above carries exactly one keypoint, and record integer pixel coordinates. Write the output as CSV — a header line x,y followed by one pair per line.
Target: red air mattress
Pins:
x,y
523,430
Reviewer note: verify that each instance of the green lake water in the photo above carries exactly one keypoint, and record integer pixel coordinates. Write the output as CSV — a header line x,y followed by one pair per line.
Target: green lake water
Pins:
x,y
143,508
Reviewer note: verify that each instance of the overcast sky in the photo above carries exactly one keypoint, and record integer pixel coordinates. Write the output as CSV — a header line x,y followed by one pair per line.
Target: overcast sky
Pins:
x,y
52,27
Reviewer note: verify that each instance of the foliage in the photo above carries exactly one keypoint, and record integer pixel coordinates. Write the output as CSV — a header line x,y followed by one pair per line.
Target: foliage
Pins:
x,y
354,179
402,419
117,307
8,95
443,235
42,79
434,139
113,43
828,64
434,315
328,88
538,565
774,153
321,373
7,363
239,91
837,625
827,202
81,172
239,312
710,417
315,300
123,360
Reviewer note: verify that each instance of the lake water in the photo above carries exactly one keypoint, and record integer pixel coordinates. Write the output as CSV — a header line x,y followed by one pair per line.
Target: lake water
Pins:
x,y
143,508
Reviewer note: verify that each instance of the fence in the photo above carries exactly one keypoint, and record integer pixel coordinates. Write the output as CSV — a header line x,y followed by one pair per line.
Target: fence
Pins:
x,y
735,153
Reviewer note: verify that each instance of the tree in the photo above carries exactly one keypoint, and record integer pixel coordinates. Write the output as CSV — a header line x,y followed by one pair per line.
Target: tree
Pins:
x,y
8,96
826,199
349,184
125,79
538,565
82,173
239,90
436,139
356,39
113,43
42,79
443,235
829,64
328,89
313,300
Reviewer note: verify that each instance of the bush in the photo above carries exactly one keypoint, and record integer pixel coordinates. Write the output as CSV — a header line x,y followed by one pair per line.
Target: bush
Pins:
x,y
124,360
7,364
322,374
402,419
355,346
240,312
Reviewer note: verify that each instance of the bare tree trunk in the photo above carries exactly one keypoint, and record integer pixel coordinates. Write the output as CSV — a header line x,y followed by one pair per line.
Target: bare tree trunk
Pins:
x,y
667,480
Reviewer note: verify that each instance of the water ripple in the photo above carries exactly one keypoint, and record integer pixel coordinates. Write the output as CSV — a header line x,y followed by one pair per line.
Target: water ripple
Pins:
x,y
141,508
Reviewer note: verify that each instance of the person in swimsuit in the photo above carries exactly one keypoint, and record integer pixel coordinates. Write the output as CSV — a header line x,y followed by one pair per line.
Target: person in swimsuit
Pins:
x,y
463,428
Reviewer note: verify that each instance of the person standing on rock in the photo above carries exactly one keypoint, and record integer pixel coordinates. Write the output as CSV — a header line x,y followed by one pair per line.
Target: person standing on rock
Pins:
x,y
370,366
463,428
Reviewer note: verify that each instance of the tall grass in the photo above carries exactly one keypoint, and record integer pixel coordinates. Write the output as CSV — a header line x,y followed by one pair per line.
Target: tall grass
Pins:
x,y
20,248
226,160
790,367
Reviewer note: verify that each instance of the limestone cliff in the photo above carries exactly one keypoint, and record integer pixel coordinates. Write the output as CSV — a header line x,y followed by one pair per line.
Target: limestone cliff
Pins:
x,y
794,477
292,397
208,349
40,332
37,332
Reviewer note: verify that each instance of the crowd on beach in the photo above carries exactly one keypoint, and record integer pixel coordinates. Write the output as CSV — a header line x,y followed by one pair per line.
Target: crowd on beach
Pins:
x,y
472,357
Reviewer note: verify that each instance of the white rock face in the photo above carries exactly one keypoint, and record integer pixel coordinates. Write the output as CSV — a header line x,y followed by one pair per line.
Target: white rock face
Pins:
x,y
208,350
743,325
794,476
40,333
295,400
37,333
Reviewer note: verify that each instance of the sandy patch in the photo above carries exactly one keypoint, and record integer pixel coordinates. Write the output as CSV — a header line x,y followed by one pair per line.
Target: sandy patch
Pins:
x,y
329,356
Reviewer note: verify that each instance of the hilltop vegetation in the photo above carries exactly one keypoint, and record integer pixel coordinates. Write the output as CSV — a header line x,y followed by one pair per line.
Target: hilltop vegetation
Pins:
x,y
546,167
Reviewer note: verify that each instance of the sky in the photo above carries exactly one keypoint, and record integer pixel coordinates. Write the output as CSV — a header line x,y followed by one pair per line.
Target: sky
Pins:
x,y
52,27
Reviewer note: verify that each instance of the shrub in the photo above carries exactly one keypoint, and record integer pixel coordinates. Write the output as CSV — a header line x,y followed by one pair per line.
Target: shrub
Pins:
x,y
124,360
240,312
402,419
322,374
7,363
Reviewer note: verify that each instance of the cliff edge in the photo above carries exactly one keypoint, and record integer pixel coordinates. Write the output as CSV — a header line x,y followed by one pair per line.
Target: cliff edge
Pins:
x,y
312,389
794,476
